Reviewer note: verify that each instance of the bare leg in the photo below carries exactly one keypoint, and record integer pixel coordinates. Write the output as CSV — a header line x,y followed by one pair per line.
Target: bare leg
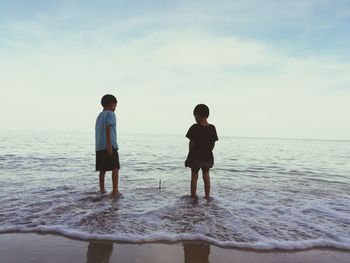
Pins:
x,y
206,179
115,181
194,178
102,181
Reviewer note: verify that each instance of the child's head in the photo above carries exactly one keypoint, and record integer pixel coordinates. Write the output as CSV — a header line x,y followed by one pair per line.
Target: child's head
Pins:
x,y
109,102
201,112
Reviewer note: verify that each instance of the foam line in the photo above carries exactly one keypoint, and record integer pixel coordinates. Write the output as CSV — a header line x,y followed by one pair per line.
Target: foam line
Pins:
x,y
161,237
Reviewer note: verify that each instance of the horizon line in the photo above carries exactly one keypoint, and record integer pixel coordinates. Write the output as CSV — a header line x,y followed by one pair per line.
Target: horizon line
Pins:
x,y
173,134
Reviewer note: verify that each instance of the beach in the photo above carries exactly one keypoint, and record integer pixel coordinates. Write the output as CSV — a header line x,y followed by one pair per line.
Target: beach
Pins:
x,y
175,131
32,247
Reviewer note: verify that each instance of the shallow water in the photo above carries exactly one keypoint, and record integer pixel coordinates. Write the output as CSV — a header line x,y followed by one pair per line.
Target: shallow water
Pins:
x,y
267,193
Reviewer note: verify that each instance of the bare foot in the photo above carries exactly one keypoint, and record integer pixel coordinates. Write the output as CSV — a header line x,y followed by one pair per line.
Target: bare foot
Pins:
x,y
209,198
102,191
194,199
116,195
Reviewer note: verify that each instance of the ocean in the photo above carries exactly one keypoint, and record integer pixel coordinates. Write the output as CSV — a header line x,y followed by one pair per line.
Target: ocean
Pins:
x,y
266,193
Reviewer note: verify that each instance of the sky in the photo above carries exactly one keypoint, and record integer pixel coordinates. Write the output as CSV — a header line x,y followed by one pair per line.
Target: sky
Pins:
x,y
273,68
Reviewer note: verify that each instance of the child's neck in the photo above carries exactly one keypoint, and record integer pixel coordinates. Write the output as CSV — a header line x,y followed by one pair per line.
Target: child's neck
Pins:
x,y
204,122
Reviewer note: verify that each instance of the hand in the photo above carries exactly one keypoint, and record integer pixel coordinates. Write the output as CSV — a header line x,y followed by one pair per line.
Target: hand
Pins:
x,y
109,151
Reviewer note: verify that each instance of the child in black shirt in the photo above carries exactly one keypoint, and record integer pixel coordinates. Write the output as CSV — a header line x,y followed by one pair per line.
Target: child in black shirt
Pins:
x,y
202,137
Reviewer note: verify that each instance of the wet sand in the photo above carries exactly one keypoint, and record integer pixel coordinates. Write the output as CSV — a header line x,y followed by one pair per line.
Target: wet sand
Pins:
x,y
31,247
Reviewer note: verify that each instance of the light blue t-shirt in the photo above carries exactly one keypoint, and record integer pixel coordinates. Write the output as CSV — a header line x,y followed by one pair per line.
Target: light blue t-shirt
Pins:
x,y
104,119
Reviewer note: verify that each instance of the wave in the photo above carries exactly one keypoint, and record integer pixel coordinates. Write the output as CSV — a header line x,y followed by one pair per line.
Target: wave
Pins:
x,y
266,245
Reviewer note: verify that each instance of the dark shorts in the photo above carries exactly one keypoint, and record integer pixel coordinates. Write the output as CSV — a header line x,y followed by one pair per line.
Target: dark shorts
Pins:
x,y
196,165
105,162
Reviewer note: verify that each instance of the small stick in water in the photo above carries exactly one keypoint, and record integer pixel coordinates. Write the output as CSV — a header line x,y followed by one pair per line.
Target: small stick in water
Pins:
x,y
160,184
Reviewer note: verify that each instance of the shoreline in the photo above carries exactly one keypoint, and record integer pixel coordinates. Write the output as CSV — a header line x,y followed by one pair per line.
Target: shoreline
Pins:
x,y
272,246
49,247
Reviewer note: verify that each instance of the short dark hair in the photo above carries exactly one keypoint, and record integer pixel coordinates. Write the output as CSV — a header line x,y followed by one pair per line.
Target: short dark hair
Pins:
x,y
107,99
201,110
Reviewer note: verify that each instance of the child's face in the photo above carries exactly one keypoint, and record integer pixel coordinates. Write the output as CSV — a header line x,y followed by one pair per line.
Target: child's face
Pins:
x,y
111,106
198,118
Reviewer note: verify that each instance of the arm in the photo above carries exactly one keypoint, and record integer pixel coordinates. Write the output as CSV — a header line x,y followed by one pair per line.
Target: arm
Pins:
x,y
190,145
108,137
214,137
212,146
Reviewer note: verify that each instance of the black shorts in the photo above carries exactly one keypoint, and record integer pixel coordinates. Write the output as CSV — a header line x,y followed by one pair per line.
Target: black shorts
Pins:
x,y
196,165
105,162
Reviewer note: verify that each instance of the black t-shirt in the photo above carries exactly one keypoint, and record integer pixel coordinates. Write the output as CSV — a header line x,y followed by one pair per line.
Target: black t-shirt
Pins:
x,y
203,138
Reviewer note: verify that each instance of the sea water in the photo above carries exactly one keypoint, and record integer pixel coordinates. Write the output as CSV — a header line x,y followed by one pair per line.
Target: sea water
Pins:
x,y
266,193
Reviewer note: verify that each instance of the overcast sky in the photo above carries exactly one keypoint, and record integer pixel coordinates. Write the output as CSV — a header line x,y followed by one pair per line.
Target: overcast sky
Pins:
x,y
268,68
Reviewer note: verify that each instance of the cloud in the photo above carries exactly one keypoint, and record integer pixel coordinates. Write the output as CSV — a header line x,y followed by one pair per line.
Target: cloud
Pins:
x,y
159,72
253,90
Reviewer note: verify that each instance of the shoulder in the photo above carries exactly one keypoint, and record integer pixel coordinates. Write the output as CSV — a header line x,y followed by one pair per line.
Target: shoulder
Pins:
x,y
110,114
99,115
110,118
193,127
192,131
213,132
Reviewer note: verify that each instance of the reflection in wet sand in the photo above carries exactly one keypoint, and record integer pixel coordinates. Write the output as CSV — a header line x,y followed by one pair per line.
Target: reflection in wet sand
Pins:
x,y
196,252
99,252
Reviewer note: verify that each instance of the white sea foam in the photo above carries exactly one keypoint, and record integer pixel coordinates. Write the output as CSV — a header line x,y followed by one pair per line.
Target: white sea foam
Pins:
x,y
168,237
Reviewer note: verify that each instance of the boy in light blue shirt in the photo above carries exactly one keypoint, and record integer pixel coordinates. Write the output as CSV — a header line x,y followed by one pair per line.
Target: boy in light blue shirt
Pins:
x,y
107,158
